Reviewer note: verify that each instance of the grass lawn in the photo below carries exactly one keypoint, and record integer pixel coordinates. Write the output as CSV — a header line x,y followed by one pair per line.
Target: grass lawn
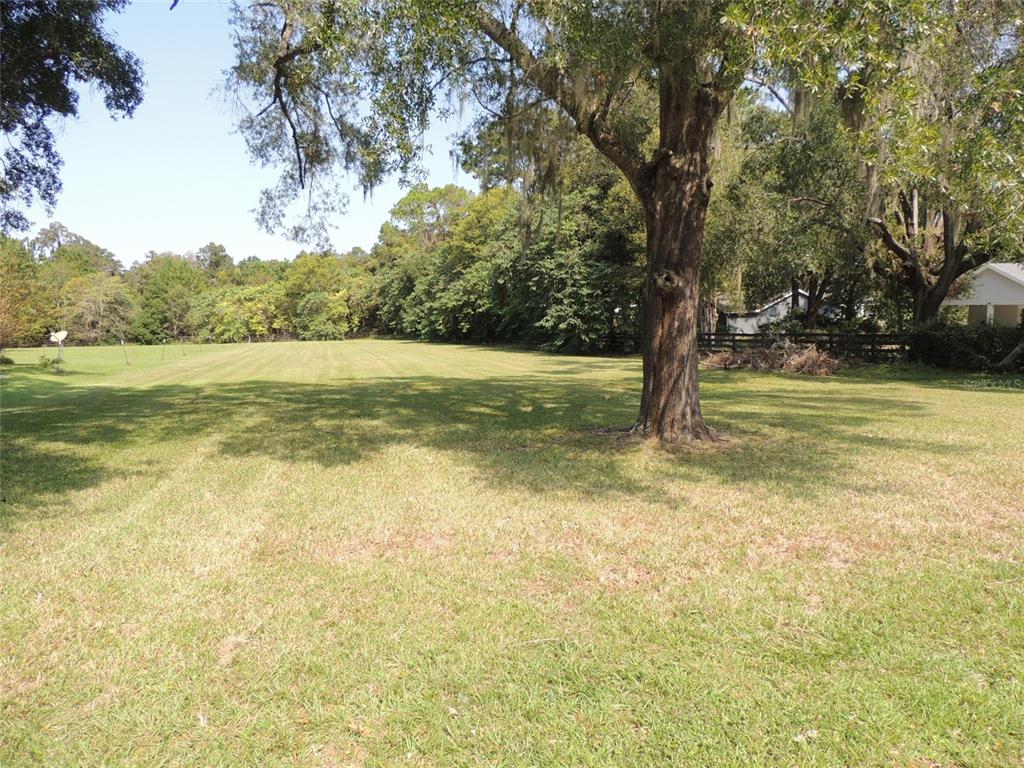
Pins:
x,y
387,553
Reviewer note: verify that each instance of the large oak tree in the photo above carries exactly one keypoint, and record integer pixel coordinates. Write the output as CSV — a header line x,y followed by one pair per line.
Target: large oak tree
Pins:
x,y
351,84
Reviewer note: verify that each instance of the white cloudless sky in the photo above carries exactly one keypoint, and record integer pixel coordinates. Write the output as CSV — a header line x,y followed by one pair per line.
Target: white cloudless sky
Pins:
x,y
177,175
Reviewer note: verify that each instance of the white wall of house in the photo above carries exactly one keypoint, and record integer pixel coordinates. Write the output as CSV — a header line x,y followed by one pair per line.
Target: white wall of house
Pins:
x,y
773,311
995,295
741,324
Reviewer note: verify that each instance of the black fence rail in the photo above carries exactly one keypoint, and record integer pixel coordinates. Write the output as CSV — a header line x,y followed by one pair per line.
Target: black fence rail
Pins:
x,y
876,347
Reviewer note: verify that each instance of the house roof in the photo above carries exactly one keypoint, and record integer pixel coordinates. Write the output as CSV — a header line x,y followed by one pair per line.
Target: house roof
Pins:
x,y
787,296
783,297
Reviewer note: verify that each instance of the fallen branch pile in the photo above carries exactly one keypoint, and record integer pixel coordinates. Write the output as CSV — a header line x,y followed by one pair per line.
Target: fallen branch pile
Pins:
x,y
785,356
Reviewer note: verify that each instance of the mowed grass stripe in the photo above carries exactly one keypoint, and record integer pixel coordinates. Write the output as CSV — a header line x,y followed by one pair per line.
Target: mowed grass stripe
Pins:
x,y
375,552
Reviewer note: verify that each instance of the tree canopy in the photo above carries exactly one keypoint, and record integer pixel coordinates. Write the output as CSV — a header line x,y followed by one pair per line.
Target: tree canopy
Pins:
x,y
947,151
47,47
353,84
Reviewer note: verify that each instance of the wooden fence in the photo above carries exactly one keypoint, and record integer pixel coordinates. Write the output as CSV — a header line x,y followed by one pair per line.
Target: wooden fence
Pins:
x,y
876,347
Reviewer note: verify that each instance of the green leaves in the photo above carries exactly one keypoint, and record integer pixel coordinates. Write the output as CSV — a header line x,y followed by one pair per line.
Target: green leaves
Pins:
x,y
949,142
34,89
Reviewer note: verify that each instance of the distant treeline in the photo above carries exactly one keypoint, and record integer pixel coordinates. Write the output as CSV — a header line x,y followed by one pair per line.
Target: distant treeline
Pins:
x,y
449,265
552,255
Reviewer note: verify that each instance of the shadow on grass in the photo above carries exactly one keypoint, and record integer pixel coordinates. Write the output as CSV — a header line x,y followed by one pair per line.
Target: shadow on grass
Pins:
x,y
937,378
535,432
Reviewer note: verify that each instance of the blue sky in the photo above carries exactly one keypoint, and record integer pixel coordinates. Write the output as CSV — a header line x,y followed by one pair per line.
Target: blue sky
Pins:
x,y
177,175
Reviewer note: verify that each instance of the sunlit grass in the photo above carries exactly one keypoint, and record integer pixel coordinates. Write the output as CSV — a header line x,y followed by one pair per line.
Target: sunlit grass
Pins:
x,y
388,553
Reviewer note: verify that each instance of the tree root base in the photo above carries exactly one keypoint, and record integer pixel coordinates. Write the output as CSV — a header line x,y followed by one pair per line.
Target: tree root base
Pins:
x,y
637,431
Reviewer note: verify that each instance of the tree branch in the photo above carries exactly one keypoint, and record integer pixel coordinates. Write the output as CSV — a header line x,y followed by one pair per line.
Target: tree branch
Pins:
x,y
811,199
892,244
773,91
908,216
285,55
554,85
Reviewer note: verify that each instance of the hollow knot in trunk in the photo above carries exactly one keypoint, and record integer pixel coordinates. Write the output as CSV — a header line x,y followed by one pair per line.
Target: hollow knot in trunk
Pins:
x,y
668,281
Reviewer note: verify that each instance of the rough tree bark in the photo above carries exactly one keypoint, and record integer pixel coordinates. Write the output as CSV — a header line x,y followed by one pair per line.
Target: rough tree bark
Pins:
x,y
675,197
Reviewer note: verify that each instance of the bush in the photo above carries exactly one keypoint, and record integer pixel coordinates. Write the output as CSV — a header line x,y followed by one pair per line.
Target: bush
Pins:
x,y
794,323
49,363
963,347
5,360
855,326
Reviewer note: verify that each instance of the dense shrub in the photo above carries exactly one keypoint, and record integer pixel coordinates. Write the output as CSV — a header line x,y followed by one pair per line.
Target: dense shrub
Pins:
x,y
963,347
796,322
322,316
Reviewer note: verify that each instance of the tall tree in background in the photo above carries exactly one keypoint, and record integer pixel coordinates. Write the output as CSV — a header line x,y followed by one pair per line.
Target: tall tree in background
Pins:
x,y
61,281
46,48
216,262
22,303
795,213
352,84
948,149
101,308
67,263
168,286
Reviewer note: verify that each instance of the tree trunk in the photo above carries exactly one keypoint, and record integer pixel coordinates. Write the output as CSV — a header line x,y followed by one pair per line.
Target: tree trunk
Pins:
x,y
1006,363
929,285
708,315
927,301
811,314
675,201
673,188
816,290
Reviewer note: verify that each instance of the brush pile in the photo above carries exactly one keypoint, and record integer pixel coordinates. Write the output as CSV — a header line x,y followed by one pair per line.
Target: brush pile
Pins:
x,y
785,356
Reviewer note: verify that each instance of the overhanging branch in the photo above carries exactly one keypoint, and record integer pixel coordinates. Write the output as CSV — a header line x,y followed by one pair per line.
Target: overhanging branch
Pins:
x,y
286,54
555,85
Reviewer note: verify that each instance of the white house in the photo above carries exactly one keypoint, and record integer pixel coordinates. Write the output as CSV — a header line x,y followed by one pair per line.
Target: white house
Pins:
x,y
994,294
773,311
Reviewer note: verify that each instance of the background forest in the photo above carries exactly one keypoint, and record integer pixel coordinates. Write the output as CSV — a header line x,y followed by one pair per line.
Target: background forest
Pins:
x,y
551,253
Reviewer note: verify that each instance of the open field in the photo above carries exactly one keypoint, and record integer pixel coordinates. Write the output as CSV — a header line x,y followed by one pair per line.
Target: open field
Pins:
x,y
387,553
